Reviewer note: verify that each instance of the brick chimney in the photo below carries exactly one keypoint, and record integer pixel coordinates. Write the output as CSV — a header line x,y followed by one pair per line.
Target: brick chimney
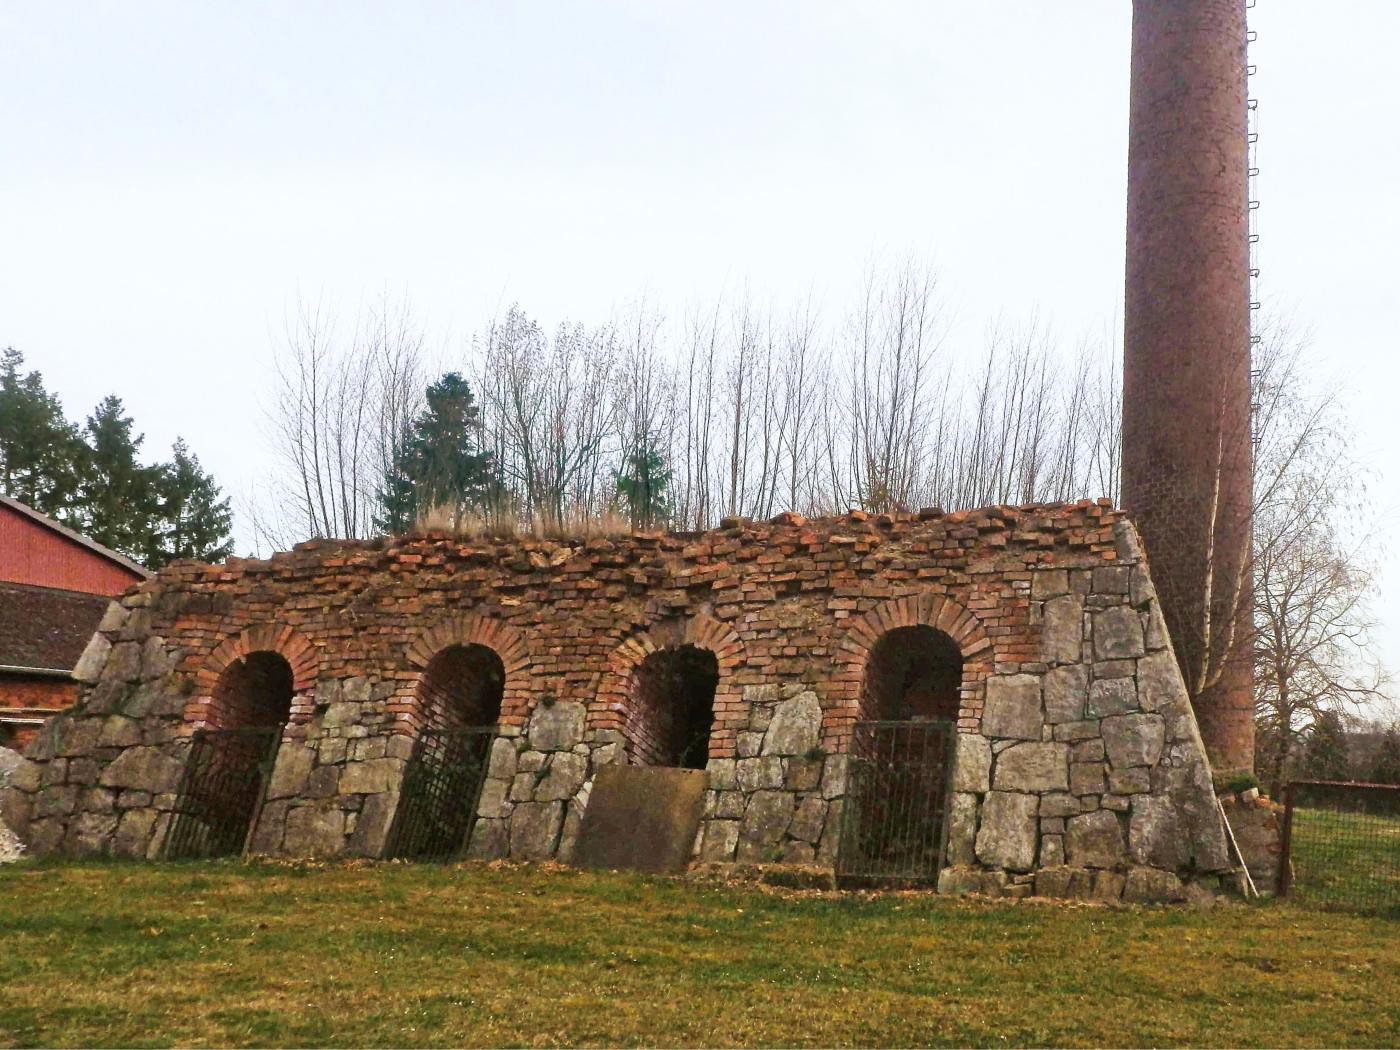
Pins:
x,y
1187,462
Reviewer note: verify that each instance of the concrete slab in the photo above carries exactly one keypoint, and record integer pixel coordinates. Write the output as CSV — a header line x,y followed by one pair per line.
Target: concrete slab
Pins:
x,y
641,818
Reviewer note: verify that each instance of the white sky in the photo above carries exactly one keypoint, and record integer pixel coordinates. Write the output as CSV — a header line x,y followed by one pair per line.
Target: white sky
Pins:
x,y
173,175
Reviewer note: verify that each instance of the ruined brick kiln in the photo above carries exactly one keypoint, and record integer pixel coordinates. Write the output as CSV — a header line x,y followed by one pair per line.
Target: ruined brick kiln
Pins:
x,y
986,699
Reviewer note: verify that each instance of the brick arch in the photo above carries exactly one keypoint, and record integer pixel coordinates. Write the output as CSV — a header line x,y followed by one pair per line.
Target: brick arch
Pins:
x,y
506,641
853,656
610,707
302,656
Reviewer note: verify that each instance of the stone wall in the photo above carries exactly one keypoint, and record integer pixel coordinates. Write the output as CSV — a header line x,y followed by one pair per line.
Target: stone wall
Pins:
x,y
1078,756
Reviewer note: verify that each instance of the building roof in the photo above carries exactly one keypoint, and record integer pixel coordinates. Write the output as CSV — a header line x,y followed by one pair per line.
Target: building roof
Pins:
x,y
44,628
63,530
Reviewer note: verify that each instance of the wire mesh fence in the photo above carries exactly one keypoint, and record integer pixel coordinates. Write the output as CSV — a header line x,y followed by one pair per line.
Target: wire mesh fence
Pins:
x,y
1341,846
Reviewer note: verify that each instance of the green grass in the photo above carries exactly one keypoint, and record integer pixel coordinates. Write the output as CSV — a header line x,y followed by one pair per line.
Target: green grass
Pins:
x,y
232,954
1346,860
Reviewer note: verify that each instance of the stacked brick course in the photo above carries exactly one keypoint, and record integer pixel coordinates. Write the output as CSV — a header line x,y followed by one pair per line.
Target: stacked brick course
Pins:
x,y
1078,753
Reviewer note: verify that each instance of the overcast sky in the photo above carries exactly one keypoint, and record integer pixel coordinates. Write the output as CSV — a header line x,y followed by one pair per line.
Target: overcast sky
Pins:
x,y
173,176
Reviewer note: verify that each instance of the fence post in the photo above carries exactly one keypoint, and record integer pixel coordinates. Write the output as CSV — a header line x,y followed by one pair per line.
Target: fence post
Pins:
x,y
1285,860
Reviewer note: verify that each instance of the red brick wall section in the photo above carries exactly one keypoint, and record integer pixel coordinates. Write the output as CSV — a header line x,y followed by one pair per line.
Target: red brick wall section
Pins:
x,y
1186,400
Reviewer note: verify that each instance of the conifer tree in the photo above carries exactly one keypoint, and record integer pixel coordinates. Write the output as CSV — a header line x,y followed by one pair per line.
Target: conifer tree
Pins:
x,y
193,517
118,494
643,483
439,462
41,453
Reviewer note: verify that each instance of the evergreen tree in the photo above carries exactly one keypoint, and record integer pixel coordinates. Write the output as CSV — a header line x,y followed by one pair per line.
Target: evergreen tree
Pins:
x,y
1387,765
193,518
118,494
642,484
439,462
40,451
398,499
1326,755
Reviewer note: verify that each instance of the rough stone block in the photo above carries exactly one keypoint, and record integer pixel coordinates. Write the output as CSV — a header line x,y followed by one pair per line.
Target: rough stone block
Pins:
x,y
557,726
1086,778
1111,696
1066,693
721,838
90,664
1155,835
1152,886
796,726
765,821
808,819
1062,630
316,830
371,777
1108,887
1094,840
1049,583
1007,835
962,829
758,774
1013,707
146,768
290,771
1032,767
1118,633
566,774
1159,681
1134,740
1135,781
535,828
972,763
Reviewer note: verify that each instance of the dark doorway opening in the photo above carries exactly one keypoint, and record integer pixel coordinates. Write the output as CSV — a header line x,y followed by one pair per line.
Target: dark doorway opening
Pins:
x,y
462,688
914,674
231,759
459,703
673,708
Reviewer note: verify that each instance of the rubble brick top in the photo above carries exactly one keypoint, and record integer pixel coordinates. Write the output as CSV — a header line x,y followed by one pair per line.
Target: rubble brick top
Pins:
x,y
1085,528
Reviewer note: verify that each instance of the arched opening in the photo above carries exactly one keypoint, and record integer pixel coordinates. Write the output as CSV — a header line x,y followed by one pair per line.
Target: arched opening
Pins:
x,y
672,708
231,758
253,693
462,688
914,674
459,704
900,756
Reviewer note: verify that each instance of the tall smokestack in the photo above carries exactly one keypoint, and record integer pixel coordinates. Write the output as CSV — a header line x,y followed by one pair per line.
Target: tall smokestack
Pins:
x,y
1187,462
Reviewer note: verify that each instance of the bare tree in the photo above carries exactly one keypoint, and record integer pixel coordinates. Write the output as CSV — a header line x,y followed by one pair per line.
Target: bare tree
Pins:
x,y
339,411
1311,583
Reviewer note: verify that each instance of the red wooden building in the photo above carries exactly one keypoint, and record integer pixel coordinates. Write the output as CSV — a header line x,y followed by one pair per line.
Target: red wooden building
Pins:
x,y
54,588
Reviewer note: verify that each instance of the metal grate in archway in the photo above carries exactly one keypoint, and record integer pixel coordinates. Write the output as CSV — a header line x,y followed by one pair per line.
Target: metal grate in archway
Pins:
x,y
441,789
221,792
894,824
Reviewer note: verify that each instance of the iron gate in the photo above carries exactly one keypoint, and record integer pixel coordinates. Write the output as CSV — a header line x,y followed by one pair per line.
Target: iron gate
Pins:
x,y
441,789
894,823
221,792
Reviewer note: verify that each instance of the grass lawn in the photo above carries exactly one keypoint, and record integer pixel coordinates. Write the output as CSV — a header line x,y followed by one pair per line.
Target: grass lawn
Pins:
x,y
1347,860
226,953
